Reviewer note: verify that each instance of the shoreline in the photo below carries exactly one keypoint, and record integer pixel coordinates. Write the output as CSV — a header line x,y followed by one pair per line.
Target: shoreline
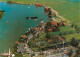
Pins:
x,y
2,13
56,12
44,7
51,18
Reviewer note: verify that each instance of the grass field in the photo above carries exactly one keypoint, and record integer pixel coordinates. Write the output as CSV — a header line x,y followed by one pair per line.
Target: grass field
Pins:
x,y
69,37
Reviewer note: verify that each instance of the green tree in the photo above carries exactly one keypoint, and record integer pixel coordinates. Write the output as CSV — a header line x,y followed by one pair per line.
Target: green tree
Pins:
x,y
70,53
47,26
31,44
74,42
77,52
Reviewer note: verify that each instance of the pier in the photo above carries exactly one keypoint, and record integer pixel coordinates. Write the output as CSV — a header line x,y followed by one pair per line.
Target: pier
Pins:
x,y
9,54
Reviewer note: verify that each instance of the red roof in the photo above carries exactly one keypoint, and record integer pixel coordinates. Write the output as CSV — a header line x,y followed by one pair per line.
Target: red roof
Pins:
x,y
49,40
39,4
54,27
33,28
17,42
12,1
38,28
60,38
54,23
46,8
23,36
49,29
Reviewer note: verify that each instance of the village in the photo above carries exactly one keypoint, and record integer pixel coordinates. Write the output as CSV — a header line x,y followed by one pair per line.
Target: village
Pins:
x,y
48,38
42,39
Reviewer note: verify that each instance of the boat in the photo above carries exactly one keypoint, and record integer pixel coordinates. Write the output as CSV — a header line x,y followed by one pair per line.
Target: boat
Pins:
x,y
32,17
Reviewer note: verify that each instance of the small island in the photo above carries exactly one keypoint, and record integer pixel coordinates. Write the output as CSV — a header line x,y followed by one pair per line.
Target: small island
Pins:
x,y
1,13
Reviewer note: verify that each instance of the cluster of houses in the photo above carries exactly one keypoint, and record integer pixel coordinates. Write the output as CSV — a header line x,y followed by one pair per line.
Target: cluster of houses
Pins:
x,y
10,1
54,26
47,10
38,5
33,32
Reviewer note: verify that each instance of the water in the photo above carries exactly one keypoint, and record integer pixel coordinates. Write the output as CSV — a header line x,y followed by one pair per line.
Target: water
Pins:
x,y
71,0
78,1
14,22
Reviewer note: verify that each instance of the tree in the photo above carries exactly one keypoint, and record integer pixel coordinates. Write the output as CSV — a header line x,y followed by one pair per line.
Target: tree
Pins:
x,y
0,16
31,44
77,52
72,25
47,36
74,42
70,32
43,43
63,37
78,30
79,49
55,28
70,53
47,26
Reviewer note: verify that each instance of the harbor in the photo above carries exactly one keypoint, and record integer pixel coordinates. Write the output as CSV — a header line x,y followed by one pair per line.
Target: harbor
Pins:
x,y
7,54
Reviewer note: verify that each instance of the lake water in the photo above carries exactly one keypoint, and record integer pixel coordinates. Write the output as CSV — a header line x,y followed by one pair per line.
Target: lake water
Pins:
x,y
78,1
14,22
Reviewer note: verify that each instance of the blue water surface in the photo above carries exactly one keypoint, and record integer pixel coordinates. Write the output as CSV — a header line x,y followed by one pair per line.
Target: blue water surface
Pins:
x,y
75,1
14,22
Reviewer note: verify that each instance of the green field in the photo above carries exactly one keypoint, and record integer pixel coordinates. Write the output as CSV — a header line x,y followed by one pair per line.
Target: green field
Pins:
x,y
69,37
63,30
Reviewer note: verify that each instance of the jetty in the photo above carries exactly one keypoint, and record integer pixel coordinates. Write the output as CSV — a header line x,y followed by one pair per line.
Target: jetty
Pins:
x,y
8,54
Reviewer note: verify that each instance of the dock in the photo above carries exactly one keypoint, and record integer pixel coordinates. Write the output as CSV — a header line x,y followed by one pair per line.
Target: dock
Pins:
x,y
8,54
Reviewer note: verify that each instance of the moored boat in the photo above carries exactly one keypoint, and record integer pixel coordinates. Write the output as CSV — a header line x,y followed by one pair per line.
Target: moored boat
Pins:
x,y
32,17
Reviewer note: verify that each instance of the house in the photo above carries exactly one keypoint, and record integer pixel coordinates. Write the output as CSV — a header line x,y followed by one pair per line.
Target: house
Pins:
x,y
23,36
20,48
46,9
38,5
50,30
54,23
